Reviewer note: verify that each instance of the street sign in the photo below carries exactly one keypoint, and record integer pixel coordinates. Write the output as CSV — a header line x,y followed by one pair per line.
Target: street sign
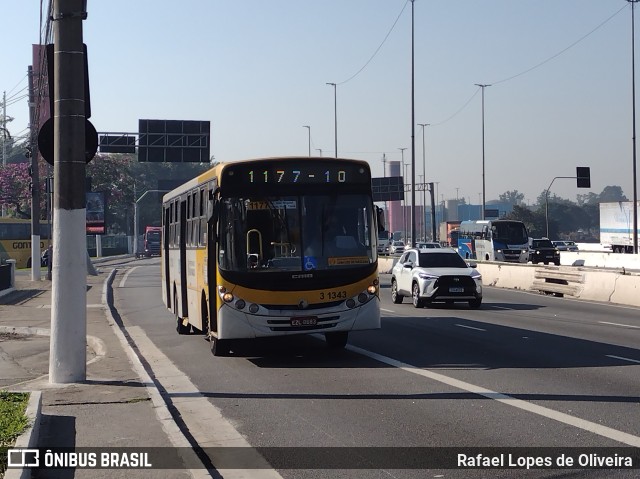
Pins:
x,y
46,143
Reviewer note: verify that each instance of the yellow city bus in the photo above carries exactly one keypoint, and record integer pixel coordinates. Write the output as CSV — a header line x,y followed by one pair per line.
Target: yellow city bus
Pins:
x,y
15,240
272,247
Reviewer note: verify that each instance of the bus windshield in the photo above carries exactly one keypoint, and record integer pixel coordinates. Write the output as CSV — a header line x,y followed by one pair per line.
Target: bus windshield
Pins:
x,y
509,232
296,233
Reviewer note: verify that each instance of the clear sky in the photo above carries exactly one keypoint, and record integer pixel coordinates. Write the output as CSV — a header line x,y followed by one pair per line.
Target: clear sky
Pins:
x,y
560,72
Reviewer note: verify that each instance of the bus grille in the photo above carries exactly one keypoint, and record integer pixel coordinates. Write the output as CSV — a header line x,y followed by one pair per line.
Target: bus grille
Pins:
x,y
285,324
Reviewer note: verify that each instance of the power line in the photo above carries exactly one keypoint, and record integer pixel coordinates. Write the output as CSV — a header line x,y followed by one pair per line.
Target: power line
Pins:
x,y
377,49
560,52
531,68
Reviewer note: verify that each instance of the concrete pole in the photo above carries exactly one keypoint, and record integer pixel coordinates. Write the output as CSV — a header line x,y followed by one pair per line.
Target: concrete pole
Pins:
x,y
36,274
67,361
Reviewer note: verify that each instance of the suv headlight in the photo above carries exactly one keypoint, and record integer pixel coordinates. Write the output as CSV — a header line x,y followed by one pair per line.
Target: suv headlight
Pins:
x,y
427,276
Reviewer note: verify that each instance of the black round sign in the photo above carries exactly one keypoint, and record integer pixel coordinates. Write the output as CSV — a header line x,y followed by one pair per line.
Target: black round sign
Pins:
x,y
45,141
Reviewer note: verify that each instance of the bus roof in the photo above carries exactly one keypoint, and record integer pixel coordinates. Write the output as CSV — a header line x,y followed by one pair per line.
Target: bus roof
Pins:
x,y
216,171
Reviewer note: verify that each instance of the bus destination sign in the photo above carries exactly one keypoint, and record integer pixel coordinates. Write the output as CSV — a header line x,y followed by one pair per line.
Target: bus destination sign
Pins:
x,y
295,172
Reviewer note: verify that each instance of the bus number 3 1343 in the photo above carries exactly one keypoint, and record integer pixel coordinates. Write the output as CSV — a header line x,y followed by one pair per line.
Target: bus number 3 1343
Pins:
x,y
333,295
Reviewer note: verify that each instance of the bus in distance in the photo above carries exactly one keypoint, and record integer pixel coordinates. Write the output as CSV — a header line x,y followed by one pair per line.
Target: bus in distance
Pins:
x,y
272,247
15,240
494,240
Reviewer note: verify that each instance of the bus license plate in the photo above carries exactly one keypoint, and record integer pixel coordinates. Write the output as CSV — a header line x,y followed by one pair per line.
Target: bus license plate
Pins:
x,y
304,321
456,290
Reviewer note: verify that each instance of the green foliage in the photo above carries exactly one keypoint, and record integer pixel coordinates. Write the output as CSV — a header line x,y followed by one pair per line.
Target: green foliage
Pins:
x,y
125,180
511,197
13,420
566,219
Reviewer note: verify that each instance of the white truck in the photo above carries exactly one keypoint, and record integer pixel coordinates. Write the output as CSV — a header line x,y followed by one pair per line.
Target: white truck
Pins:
x,y
616,225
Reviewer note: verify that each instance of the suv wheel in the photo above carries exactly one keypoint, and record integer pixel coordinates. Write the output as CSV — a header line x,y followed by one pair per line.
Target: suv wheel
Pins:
x,y
395,296
418,302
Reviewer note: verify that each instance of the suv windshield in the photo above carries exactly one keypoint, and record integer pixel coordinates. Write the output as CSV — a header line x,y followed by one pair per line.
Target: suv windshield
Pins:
x,y
441,260
296,233
542,244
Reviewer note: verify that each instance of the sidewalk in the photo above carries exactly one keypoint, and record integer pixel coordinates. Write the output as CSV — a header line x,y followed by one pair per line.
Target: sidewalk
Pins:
x,y
112,408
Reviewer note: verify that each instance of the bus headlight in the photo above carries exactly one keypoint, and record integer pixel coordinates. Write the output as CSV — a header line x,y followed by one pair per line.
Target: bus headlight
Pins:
x,y
240,304
363,298
253,308
350,303
372,289
227,297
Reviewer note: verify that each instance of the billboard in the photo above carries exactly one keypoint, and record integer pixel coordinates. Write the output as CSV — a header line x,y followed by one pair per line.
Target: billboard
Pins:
x,y
96,208
173,141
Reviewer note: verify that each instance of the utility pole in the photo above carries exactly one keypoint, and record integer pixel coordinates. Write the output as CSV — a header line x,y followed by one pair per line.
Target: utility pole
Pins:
x,y
335,116
484,197
67,361
35,184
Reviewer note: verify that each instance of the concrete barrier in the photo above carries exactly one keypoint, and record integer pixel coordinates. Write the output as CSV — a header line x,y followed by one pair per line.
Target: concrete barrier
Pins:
x,y
582,283
626,290
614,286
558,280
600,260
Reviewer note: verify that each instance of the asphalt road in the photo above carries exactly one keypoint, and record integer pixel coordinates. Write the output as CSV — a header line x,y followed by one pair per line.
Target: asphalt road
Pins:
x,y
525,370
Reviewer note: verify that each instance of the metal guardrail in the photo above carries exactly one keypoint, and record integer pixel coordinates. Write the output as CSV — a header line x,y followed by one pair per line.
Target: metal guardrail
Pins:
x,y
559,281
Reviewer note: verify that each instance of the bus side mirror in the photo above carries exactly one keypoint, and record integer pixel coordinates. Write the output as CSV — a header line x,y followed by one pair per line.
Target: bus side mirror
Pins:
x,y
380,218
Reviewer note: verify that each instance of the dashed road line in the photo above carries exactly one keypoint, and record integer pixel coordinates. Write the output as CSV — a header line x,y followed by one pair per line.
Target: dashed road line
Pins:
x,y
600,430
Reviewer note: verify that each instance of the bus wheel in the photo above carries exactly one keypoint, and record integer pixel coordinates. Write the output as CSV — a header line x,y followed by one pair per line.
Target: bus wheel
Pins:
x,y
337,340
219,347
180,327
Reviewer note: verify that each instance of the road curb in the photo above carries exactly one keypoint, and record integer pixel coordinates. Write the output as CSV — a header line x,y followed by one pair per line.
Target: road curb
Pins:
x,y
29,438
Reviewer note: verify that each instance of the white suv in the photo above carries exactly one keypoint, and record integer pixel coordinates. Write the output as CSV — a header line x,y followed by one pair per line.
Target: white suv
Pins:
x,y
435,275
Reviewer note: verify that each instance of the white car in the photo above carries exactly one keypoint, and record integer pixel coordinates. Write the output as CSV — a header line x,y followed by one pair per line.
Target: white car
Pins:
x,y
435,275
565,245
396,247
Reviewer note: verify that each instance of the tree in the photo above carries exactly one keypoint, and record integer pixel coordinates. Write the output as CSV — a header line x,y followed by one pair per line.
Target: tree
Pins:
x,y
14,189
533,220
511,197
612,193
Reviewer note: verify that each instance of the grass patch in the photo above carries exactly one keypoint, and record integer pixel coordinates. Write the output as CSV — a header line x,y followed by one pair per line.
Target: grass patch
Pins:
x,y
13,421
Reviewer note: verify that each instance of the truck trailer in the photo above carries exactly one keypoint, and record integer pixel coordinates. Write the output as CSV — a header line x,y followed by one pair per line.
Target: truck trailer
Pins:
x,y
448,233
616,225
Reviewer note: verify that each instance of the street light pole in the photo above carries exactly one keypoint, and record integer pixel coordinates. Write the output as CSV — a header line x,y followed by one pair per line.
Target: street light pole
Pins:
x,y
484,198
424,175
335,115
413,131
404,201
633,102
308,128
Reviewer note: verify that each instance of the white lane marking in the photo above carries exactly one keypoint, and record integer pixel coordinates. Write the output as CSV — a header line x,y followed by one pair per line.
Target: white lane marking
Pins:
x,y
387,310
469,327
173,432
589,426
623,359
621,325
203,420
126,275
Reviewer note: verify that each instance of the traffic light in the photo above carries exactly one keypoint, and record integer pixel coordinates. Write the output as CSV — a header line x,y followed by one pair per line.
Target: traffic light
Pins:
x,y
583,176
